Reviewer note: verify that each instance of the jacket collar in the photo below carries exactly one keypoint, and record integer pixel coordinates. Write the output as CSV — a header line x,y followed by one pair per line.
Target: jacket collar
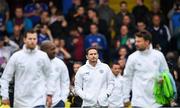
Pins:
x,y
147,51
29,50
89,65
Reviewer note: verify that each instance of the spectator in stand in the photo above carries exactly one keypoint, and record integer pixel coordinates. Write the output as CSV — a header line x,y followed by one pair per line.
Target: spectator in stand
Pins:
x,y
54,14
121,53
160,34
24,23
141,26
44,19
34,9
124,38
106,13
79,19
97,40
17,36
72,10
92,4
94,18
120,15
156,9
7,48
61,50
175,27
130,24
44,34
58,23
175,20
4,10
4,16
140,11
76,45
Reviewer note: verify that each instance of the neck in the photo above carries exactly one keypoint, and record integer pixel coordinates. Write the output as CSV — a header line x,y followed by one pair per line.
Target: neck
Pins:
x,y
93,63
30,48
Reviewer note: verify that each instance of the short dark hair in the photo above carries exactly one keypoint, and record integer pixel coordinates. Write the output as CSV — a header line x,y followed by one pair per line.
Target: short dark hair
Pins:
x,y
77,62
94,10
114,63
123,2
45,44
29,31
145,35
141,21
87,50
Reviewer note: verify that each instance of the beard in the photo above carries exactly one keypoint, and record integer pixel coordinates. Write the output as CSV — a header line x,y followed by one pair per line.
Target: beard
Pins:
x,y
140,49
31,47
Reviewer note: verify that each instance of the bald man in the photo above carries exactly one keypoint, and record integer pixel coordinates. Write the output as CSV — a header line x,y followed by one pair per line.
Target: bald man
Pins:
x,y
61,71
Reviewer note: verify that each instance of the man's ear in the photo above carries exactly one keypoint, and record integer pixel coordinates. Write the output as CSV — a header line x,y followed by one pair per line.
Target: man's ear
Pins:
x,y
86,57
147,42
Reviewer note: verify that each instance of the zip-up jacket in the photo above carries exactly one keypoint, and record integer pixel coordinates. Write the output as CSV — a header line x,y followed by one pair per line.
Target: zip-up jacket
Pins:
x,y
33,78
62,80
141,70
94,84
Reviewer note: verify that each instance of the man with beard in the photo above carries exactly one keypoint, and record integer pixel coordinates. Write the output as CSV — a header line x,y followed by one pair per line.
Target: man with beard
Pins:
x,y
142,69
62,75
94,81
34,81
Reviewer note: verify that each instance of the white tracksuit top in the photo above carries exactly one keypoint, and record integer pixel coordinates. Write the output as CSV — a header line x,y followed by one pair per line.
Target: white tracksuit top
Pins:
x,y
116,97
33,78
141,70
62,80
93,84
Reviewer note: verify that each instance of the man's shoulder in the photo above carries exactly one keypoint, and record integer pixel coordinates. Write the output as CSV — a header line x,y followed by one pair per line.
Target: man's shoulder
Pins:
x,y
134,54
157,52
58,61
17,53
41,52
104,64
83,69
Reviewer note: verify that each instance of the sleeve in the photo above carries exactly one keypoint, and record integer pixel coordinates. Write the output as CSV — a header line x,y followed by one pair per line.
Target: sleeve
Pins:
x,y
163,64
65,82
128,76
49,76
7,77
111,82
79,84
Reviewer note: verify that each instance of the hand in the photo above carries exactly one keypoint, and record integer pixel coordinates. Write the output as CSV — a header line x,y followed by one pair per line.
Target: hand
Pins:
x,y
48,31
160,81
6,39
49,101
173,103
75,40
6,102
127,104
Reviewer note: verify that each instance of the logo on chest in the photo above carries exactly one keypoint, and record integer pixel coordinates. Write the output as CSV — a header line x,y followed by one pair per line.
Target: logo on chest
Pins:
x,y
101,71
